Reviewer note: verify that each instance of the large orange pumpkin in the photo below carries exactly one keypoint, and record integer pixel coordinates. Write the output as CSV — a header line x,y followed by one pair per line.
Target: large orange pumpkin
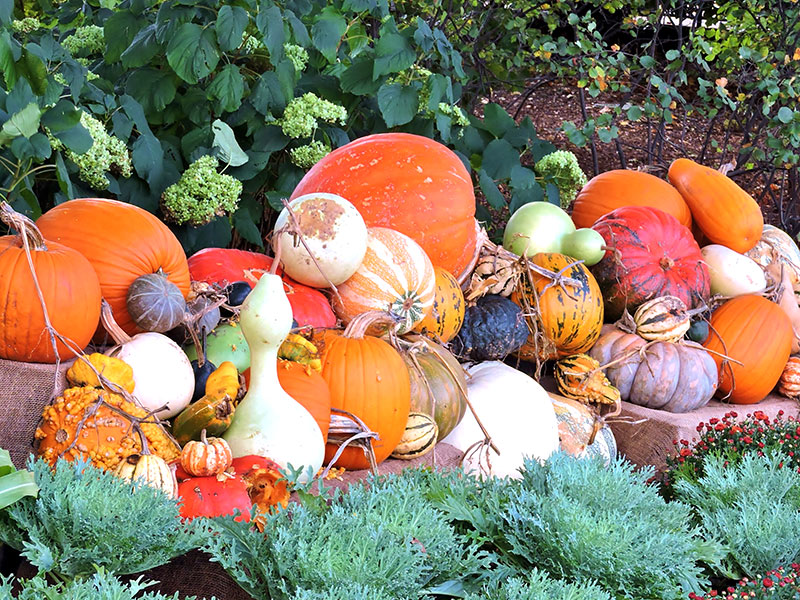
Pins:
x,y
447,313
570,318
69,287
724,212
757,333
396,276
309,388
123,242
409,183
366,377
620,187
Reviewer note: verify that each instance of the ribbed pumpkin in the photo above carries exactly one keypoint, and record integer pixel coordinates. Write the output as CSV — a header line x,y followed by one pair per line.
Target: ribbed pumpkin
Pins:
x,y
123,242
789,384
368,378
676,378
650,255
149,469
69,288
447,313
724,212
438,383
155,303
209,456
614,189
756,333
223,266
409,183
396,276
569,318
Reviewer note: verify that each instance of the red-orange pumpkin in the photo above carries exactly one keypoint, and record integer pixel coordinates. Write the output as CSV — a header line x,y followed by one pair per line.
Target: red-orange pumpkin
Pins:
x,y
447,313
69,288
368,378
123,242
409,183
757,333
724,212
620,187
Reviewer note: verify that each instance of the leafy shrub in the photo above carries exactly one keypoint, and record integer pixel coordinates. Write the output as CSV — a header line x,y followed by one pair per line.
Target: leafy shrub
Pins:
x,y
538,586
84,518
751,508
100,586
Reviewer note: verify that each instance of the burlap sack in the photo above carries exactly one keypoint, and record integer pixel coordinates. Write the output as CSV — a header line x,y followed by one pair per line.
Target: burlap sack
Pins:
x,y
25,389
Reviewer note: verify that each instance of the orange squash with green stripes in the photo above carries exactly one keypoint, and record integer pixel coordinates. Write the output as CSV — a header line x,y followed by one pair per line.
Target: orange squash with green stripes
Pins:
x,y
570,318
396,276
447,313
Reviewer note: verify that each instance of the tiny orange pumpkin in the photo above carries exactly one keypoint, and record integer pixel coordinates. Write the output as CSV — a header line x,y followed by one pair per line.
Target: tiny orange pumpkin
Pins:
x,y
209,456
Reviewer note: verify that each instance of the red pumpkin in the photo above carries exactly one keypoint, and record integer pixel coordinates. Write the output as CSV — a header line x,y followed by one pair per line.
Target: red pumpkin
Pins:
x,y
265,483
222,266
69,288
650,254
214,497
122,242
409,183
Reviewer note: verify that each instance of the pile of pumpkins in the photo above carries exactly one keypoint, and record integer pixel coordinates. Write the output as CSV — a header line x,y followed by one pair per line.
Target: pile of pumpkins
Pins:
x,y
384,302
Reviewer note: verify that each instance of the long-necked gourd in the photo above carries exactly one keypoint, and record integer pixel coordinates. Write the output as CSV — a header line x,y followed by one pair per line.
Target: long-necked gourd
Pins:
x,y
268,422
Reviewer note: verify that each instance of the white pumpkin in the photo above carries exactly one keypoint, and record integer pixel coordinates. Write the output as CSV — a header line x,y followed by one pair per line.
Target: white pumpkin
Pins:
x,y
334,232
161,371
732,274
517,413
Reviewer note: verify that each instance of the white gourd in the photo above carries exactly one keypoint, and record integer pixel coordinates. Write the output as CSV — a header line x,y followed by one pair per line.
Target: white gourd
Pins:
x,y
517,413
268,422
732,274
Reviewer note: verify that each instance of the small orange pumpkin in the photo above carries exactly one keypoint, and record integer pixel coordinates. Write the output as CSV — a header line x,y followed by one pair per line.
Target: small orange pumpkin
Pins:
x,y
758,335
209,456
789,384
447,313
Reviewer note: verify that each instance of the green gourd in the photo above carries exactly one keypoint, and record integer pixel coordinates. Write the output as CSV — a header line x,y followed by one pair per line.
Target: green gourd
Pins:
x,y
268,422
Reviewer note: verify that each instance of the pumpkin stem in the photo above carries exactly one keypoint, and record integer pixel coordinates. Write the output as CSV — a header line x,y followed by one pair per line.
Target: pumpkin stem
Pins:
x,y
203,437
357,328
110,325
23,225
666,263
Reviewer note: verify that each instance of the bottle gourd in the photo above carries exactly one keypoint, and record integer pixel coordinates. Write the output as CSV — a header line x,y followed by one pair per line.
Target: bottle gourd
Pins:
x,y
268,422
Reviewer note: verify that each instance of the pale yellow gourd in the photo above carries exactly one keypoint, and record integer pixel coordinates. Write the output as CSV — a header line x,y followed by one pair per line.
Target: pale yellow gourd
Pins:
x,y
268,422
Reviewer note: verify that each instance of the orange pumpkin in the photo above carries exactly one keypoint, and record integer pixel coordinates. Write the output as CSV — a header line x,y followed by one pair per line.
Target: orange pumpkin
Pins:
x,y
69,287
447,313
366,377
396,276
757,333
209,456
409,183
724,212
122,242
789,384
570,318
615,189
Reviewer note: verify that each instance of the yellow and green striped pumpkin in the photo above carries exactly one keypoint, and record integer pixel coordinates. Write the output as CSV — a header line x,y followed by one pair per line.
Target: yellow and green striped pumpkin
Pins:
x,y
395,276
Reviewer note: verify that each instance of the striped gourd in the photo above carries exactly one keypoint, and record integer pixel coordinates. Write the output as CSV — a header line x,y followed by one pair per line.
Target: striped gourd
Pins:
x,y
579,377
419,438
663,319
395,276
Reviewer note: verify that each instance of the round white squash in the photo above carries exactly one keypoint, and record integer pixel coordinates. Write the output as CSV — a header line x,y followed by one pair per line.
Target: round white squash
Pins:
x,y
334,232
161,371
732,274
516,412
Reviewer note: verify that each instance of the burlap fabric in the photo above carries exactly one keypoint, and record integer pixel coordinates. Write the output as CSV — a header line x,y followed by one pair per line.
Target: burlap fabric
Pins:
x,y
25,389
646,436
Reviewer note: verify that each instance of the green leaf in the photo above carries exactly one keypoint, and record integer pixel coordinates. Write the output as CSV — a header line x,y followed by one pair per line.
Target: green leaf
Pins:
x,y
672,54
489,189
154,89
32,68
522,196
634,113
228,88
270,139
148,158
15,486
142,49
62,175
327,32
423,36
785,114
119,30
497,120
22,123
225,144
553,194
245,220
522,178
298,28
9,54
193,52
77,138
398,103
231,23
61,116
647,61
6,464
393,54
267,94
499,159
270,24
357,78
6,11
